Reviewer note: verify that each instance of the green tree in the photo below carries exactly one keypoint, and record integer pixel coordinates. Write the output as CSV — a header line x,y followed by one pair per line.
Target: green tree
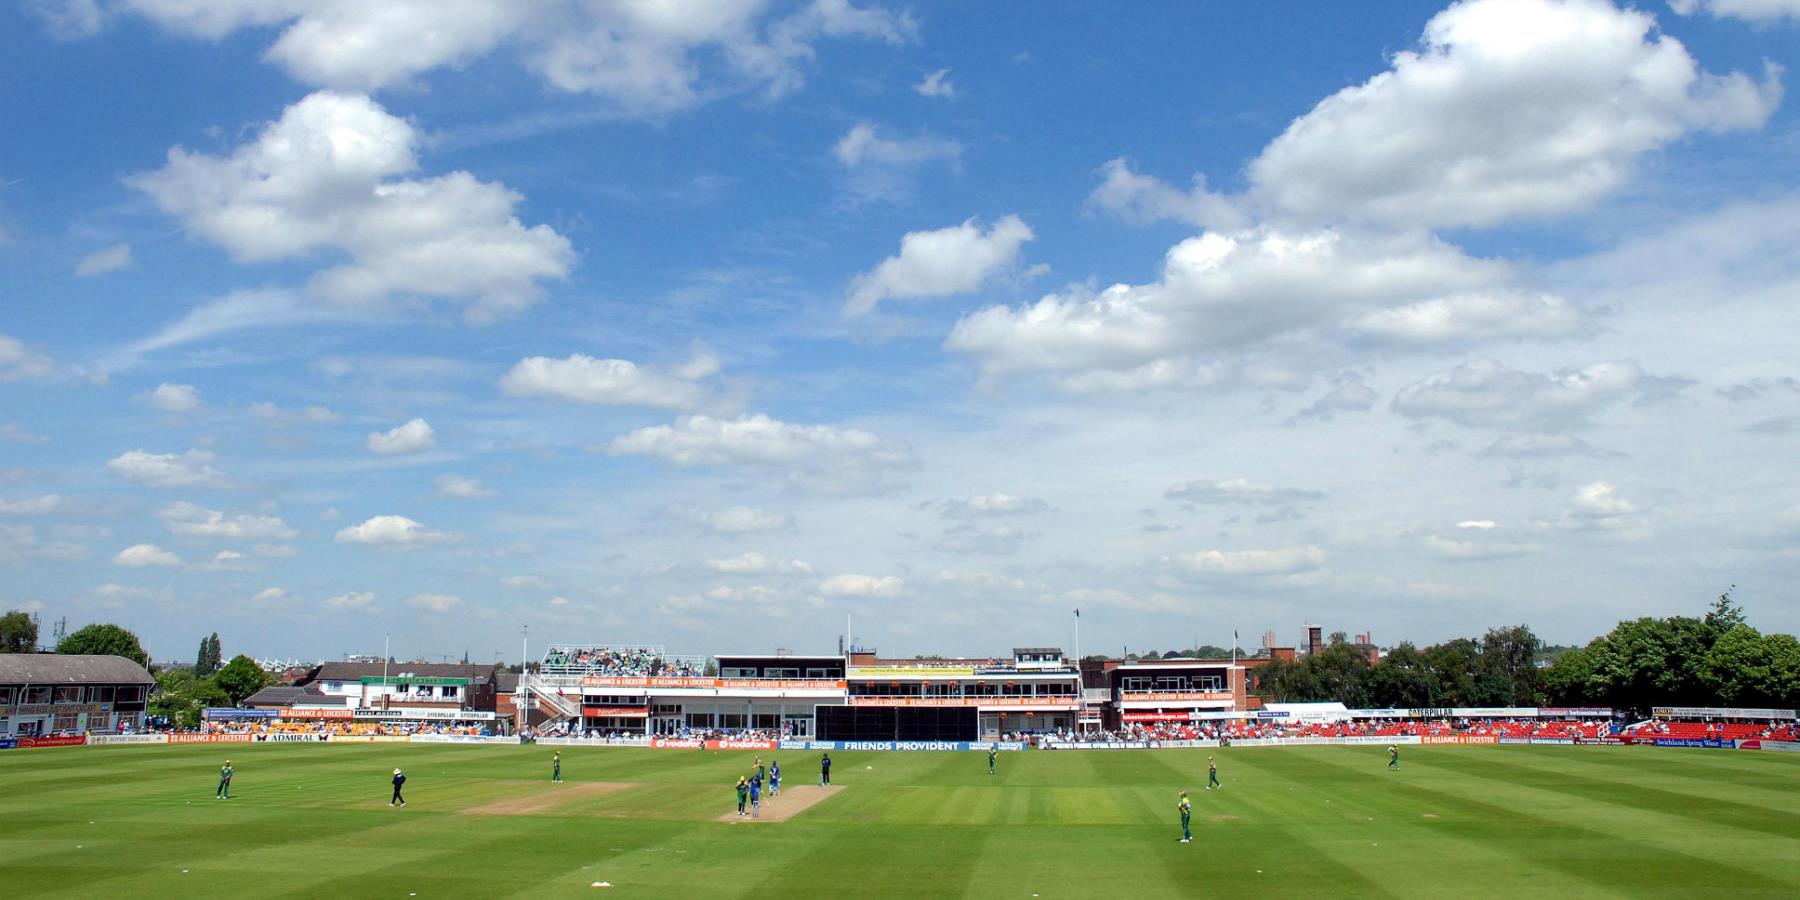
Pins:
x,y
1343,673
1571,680
1454,666
1736,669
1509,673
1724,614
240,678
1783,685
181,696
1403,680
1289,681
208,661
105,640
18,634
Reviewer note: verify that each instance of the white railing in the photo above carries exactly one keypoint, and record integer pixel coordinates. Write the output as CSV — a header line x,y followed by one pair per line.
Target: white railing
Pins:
x,y
552,697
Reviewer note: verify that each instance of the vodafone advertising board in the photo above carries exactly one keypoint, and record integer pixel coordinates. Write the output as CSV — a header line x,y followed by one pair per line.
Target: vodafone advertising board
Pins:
x,y
697,744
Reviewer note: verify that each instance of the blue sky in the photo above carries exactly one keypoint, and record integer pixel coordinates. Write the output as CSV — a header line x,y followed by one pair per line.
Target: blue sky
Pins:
x,y
710,324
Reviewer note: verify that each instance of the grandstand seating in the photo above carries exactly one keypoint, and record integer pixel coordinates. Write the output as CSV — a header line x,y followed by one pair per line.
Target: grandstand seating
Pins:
x,y
620,661
1700,730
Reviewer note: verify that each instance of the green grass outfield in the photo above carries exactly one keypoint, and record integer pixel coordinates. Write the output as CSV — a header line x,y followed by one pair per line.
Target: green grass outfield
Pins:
x,y
313,821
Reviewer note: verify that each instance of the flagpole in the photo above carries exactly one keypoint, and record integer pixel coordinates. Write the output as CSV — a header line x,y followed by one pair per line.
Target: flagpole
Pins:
x,y
1080,682
1234,669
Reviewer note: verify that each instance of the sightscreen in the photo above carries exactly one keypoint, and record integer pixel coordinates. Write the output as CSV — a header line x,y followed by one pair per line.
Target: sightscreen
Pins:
x,y
888,723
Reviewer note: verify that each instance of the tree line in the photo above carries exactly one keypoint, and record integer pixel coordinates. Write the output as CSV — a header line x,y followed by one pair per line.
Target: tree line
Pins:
x,y
1712,660
181,691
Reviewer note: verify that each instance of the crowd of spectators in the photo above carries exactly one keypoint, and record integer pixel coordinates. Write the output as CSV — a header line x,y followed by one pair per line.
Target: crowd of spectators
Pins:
x,y
617,661
569,730
337,727
1211,731
1722,731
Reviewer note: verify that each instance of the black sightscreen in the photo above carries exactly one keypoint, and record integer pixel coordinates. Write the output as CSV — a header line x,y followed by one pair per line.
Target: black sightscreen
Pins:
x,y
889,723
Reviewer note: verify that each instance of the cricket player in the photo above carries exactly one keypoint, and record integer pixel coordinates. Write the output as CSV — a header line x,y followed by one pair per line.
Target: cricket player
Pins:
x,y
774,778
825,769
1393,757
556,767
756,796
1212,774
743,792
1187,812
993,757
399,780
762,772
225,774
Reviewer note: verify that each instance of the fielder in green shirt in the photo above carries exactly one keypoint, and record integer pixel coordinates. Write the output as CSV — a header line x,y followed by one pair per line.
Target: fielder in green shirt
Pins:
x,y
225,774
1187,812
993,754
743,789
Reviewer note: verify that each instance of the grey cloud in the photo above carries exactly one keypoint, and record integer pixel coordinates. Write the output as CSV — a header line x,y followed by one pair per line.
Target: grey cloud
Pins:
x,y
1486,393
1239,491
1352,397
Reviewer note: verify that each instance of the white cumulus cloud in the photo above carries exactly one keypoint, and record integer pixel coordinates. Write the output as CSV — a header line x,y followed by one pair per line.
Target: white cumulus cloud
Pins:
x,y
1143,200
616,382
389,531
415,436
31,506
862,586
19,362
649,59
819,457
1223,293
1281,561
954,260
936,84
1507,109
168,470
434,603
138,556
1759,12
350,600
173,398
753,563
456,487
100,262
736,519
863,146
192,520
328,178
